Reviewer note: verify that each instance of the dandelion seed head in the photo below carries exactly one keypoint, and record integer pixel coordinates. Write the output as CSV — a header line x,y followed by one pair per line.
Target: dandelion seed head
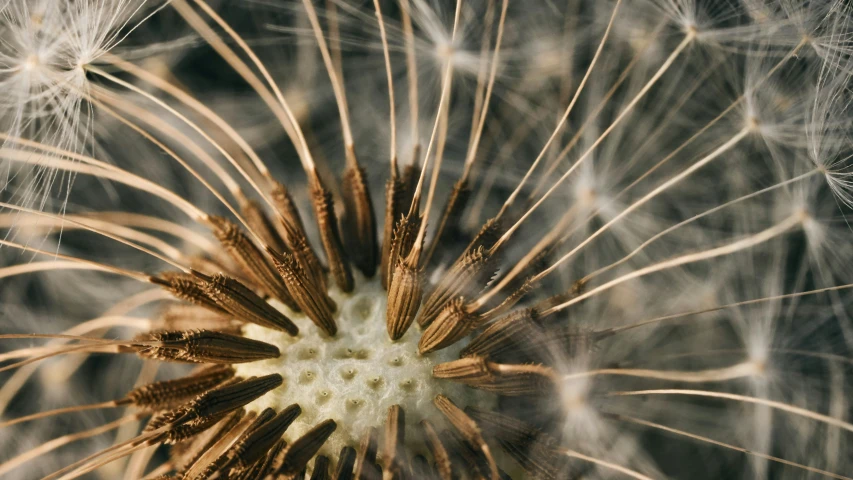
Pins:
x,y
589,237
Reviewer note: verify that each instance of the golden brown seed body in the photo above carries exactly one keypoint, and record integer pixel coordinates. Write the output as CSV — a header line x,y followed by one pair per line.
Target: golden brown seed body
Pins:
x,y
251,259
240,301
327,223
359,221
404,298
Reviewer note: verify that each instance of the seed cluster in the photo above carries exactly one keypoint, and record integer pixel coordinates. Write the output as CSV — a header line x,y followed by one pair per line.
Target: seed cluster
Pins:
x,y
355,376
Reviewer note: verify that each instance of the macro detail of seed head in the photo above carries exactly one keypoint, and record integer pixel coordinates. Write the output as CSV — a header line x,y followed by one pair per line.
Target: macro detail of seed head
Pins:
x,y
357,375
425,239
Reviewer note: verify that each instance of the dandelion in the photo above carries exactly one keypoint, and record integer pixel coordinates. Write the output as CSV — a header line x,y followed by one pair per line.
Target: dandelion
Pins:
x,y
417,239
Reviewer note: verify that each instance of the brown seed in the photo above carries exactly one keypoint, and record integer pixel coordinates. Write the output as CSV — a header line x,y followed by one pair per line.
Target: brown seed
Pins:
x,y
297,454
285,206
402,240
205,465
188,288
409,179
404,298
238,300
187,430
504,335
268,465
261,437
393,457
206,346
468,429
168,393
393,209
218,402
533,449
467,277
213,404
228,398
185,454
305,255
508,380
327,223
311,300
359,221
346,461
488,235
260,223
321,468
251,259
451,325
443,466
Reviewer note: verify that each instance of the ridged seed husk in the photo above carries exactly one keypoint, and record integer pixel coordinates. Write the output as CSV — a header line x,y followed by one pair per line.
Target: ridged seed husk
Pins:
x,y
321,468
185,454
393,458
409,178
393,209
452,324
228,458
260,223
189,288
359,221
305,255
205,346
440,456
218,401
285,206
468,429
487,236
292,230
506,335
534,450
186,430
327,224
297,454
251,259
467,277
404,298
346,462
259,439
169,393
516,380
402,240
241,302
267,466
204,466
312,301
